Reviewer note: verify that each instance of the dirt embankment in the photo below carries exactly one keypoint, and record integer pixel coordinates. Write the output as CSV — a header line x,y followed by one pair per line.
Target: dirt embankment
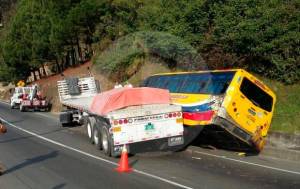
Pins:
x,y
49,84
148,67
4,92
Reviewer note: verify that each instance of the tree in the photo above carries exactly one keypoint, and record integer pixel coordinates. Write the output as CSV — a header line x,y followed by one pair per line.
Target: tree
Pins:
x,y
264,33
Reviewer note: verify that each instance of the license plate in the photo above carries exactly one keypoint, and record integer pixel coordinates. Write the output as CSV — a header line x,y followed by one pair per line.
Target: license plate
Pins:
x,y
174,141
26,103
36,103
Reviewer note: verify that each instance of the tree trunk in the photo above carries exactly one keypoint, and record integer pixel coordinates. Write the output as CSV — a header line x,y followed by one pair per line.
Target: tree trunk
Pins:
x,y
62,64
67,60
39,73
57,66
79,50
73,56
44,70
34,76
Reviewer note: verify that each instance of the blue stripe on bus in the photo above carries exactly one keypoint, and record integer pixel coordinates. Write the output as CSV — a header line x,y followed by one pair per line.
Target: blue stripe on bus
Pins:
x,y
198,108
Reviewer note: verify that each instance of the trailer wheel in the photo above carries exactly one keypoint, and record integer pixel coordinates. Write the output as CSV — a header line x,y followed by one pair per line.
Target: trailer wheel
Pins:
x,y
106,141
89,131
89,125
97,138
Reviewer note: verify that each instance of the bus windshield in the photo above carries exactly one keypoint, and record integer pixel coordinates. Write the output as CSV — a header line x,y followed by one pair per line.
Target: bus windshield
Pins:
x,y
214,83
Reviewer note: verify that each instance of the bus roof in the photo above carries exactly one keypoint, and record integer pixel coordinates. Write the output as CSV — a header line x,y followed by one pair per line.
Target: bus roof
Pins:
x,y
251,77
202,71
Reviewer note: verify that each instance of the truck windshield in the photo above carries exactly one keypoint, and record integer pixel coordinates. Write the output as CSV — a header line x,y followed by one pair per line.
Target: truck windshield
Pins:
x,y
214,83
27,90
256,95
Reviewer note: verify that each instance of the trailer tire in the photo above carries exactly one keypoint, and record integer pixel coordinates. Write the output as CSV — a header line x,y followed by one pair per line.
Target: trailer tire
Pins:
x,y
106,141
97,137
90,122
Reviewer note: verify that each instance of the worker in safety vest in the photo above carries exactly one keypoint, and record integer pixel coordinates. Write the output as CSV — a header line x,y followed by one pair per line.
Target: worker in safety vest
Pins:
x,y
2,130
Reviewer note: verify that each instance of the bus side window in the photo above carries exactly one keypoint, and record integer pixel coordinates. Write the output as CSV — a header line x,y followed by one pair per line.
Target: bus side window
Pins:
x,y
156,82
163,82
224,87
174,83
150,82
145,83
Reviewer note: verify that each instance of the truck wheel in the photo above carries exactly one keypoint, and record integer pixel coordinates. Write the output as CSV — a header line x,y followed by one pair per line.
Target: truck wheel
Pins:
x,y
97,138
12,105
106,141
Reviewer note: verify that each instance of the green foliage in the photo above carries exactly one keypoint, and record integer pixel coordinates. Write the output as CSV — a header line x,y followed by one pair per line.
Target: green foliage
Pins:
x,y
172,49
43,31
263,36
184,18
286,117
118,56
265,31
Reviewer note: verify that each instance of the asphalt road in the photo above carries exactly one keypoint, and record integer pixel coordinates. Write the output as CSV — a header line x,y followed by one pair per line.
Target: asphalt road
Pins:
x,y
38,153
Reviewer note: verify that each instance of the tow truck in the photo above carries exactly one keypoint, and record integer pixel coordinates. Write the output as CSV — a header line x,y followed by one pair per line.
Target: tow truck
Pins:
x,y
29,98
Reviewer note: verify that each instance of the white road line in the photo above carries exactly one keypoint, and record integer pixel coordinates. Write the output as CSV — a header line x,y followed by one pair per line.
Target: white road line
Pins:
x,y
4,102
249,163
45,115
93,156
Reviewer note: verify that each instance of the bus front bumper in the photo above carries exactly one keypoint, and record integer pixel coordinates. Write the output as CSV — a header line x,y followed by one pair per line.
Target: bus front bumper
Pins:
x,y
255,141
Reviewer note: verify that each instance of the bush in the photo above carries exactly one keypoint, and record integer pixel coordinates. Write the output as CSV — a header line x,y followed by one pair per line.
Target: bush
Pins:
x,y
175,52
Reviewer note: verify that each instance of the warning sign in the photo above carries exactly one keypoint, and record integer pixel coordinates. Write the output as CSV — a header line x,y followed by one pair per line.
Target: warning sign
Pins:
x,y
21,83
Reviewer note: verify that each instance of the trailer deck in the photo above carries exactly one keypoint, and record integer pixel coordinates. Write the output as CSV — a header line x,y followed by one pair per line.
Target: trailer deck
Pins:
x,y
82,104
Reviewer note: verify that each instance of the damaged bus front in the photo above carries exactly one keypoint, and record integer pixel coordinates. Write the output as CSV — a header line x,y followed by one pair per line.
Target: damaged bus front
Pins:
x,y
227,102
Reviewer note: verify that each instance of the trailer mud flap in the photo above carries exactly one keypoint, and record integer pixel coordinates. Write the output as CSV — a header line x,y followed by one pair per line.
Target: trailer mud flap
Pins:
x,y
65,117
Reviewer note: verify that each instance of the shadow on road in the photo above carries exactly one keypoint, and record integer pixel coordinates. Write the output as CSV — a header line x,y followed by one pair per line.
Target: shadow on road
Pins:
x,y
215,138
31,161
131,164
31,136
59,186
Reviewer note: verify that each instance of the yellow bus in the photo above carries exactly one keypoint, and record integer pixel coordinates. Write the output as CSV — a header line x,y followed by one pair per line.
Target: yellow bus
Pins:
x,y
232,100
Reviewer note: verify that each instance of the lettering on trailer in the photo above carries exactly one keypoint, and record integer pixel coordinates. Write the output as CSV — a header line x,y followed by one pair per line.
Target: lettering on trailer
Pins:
x,y
142,119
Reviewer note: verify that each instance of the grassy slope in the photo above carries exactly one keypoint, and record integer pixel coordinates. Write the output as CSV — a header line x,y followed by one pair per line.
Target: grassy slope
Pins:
x,y
287,113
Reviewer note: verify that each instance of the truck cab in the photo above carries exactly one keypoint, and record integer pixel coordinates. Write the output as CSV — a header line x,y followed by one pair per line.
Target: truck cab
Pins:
x,y
19,93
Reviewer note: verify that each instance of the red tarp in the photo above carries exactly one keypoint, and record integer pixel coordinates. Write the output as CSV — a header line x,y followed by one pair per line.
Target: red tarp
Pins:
x,y
123,97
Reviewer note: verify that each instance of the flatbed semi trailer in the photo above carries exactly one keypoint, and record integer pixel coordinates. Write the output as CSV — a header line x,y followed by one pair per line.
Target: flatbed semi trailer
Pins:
x,y
140,118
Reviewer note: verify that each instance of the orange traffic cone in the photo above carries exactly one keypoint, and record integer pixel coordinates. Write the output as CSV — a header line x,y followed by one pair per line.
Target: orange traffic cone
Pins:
x,y
123,164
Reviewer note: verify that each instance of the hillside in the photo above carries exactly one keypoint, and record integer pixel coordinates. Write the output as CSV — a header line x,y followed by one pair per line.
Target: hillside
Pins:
x,y
129,40
259,36
286,117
